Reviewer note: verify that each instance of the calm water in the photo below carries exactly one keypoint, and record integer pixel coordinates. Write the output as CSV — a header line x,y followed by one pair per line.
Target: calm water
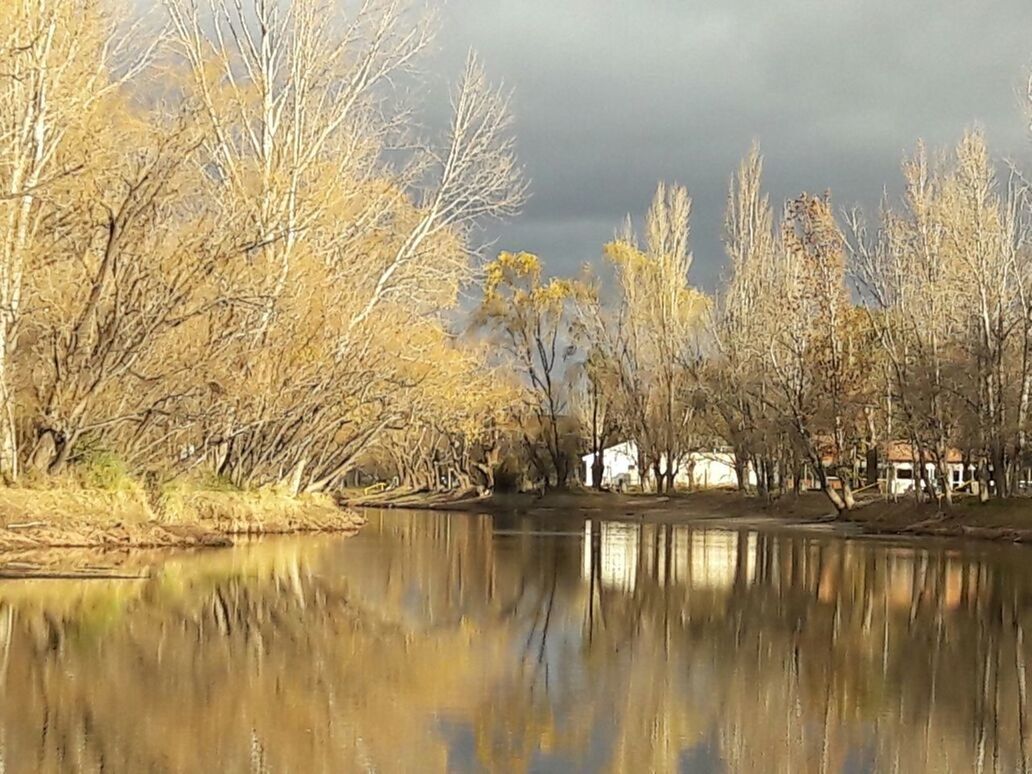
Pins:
x,y
436,642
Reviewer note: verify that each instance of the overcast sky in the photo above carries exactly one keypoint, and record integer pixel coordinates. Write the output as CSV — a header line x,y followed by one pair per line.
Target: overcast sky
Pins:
x,y
611,97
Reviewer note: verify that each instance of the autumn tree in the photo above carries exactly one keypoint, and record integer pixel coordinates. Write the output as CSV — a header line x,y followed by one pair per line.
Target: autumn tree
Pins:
x,y
791,375
654,346
819,354
227,247
341,251
454,419
61,61
946,281
745,314
528,317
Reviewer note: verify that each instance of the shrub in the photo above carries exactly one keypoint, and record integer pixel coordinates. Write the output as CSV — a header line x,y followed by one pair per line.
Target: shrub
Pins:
x,y
105,470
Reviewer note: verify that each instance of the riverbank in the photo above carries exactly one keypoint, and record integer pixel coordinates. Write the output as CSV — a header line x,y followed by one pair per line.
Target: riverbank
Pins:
x,y
31,519
710,503
1009,521
1000,520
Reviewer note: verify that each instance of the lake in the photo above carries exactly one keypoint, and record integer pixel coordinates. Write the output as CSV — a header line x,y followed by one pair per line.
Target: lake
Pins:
x,y
456,642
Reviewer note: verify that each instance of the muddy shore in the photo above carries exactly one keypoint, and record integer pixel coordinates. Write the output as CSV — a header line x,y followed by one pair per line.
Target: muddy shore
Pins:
x,y
1005,521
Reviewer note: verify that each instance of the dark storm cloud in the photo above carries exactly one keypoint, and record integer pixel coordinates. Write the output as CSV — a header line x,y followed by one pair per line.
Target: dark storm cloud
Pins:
x,y
612,96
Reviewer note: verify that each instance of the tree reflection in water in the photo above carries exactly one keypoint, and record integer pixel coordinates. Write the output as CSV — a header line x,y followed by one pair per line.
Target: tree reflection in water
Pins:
x,y
434,642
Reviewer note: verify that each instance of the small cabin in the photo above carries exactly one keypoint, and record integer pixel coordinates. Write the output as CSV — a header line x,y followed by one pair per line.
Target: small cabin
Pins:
x,y
699,470
901,471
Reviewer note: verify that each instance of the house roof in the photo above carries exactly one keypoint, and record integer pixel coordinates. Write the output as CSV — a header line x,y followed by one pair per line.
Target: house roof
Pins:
x,y
901,451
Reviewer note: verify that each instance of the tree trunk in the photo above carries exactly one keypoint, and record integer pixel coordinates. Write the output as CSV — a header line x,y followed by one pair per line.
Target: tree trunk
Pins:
x,y
43,451
294,481
771,474
64,444
761,477
947,482
742,472
922,486
597,462
690,473
487,467
983,481
847,494
871,462
463,479
1000,470
841,506
8,435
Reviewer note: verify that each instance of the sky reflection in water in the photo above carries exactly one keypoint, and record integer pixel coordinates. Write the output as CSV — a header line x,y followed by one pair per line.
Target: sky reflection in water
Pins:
x,y
436,642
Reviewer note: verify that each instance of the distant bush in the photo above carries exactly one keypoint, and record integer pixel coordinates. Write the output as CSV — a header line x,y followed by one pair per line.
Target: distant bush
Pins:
x,y
101,469
199,481
507,476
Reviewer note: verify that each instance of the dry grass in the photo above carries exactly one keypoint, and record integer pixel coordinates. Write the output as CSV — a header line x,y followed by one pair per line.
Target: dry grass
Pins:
x,y
261,512
55,506
32,518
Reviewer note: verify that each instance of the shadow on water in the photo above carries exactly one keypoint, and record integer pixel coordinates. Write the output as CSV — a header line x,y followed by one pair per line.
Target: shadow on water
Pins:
x,y
455,642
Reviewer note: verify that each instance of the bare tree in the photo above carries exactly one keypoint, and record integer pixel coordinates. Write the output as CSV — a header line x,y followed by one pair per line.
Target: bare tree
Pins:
x,y
299,125
658,349
59,61
945,282
529,318
741,327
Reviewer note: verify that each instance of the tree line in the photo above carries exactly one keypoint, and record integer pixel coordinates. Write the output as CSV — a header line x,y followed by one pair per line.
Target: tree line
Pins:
x,y
227,244
832,336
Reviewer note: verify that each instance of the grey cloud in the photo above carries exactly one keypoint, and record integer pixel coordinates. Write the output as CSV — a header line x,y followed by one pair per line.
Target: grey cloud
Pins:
x,y
612,96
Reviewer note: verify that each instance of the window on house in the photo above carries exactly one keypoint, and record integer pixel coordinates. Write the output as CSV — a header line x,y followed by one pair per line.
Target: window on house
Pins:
x,y
905,474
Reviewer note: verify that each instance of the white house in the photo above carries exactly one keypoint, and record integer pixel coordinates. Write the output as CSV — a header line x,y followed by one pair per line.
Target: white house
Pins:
x,y
700,470
620,465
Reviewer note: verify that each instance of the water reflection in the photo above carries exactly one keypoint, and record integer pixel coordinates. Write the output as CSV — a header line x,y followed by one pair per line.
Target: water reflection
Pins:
x,y
435,642
700,558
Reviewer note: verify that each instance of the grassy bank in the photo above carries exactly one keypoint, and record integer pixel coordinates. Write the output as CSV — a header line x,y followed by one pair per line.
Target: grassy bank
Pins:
x,y
131,517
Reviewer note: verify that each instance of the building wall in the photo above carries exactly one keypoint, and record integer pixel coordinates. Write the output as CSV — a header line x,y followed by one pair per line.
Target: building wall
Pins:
x,y
620,461
716,469
900,485
702,470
